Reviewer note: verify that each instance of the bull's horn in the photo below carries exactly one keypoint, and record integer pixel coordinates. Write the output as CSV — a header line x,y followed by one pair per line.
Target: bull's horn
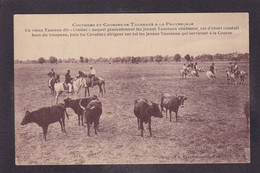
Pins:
x,y
81,105
92,107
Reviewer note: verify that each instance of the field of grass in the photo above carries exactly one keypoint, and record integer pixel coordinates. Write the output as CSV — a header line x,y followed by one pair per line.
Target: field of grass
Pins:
x,y
211,126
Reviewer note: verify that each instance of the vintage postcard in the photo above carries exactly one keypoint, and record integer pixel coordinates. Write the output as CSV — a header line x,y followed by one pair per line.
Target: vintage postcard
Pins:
x,y
131,88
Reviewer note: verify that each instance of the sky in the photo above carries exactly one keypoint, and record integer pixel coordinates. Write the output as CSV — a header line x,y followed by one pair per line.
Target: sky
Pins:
x,y
28,47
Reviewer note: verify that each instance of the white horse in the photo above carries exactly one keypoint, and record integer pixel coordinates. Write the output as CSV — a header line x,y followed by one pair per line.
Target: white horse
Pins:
x,y
242,76
184,73
210,75
76,83
200,69
194,73
230,77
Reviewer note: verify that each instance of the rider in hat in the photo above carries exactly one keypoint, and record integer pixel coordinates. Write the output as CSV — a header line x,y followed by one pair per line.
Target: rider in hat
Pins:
x,y
185,68
212,69
235,68
196,68
52,72
92,74
68,79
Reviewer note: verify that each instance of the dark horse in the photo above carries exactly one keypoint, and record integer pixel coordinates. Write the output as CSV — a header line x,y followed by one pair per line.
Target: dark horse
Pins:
x,y
96,81
191,65
53,79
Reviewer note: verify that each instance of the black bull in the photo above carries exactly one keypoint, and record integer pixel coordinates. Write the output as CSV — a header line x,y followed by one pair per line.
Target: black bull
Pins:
x,y
46,116
143,112
172,103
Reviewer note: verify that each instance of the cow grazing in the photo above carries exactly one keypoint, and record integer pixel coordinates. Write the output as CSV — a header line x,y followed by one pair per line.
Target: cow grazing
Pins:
x,y
74,105
92,113
144,111
46,116
172,103
247,113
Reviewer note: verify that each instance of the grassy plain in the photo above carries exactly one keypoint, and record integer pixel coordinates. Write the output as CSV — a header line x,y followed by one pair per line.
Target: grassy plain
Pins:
x,y
211,127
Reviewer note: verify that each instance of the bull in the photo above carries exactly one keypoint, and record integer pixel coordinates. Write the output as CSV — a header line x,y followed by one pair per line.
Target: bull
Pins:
x,y
144,111
74,105
92,114
172,103
46,116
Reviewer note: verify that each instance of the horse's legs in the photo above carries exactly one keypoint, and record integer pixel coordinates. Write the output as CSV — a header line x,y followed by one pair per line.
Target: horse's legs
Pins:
x,y
104,87
87,91
56,98
100,89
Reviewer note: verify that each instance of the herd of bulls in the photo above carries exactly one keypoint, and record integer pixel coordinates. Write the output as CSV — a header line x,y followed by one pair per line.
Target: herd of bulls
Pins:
x,y
89,110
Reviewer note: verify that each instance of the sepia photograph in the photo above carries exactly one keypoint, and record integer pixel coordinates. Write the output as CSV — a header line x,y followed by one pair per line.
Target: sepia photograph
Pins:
x,y
139,88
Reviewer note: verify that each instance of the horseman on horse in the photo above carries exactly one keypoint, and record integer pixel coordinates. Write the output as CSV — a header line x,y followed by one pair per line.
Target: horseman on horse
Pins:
x,y
70,84
54,78
92,80
92,75
232,73
68,81
212,69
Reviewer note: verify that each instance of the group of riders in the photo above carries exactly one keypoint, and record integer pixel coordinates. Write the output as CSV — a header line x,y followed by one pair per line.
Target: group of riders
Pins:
x,y
197,69
233,68
68,78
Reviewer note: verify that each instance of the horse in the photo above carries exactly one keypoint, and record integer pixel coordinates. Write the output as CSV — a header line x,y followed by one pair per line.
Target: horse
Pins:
x,y
190,65
77,84
184,73
210,75
96,81
52,81
194,73
200,69
242,77
232,77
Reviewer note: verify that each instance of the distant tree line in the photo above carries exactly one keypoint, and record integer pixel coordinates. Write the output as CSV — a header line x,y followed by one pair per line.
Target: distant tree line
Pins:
x,y
145,59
